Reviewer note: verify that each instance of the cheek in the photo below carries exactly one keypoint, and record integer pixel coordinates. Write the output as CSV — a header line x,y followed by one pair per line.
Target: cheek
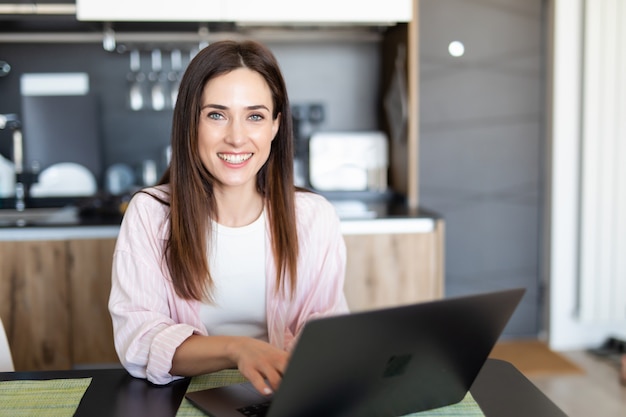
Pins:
x,y
270,136
275,127
204,146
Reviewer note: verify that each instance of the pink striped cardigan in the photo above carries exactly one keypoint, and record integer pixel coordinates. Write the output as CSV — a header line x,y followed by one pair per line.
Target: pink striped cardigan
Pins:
x,y
150,321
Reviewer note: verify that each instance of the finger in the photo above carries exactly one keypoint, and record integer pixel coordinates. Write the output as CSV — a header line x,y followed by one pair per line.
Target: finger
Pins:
x,y
273,377
262,387
258,382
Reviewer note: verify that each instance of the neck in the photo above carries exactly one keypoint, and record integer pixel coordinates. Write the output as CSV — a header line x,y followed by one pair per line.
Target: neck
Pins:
x,y
235,209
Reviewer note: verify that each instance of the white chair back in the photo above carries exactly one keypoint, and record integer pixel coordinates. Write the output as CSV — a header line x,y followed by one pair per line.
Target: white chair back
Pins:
x,y
6,359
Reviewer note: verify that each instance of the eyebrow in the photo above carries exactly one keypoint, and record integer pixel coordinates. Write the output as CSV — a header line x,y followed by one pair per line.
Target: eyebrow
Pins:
x,y
221,107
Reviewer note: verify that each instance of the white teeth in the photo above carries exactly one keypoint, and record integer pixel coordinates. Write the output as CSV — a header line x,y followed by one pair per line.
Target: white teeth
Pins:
x,y
234,158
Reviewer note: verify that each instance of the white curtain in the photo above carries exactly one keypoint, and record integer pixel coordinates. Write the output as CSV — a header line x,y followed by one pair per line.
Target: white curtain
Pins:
x,y
602,262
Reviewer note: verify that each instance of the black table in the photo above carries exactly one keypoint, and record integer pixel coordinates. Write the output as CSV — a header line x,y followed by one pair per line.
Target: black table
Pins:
x,y
500,390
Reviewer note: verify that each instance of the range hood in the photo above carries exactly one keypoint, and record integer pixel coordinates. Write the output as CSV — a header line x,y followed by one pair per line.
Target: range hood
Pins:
x,y
273,12
244,12
183,21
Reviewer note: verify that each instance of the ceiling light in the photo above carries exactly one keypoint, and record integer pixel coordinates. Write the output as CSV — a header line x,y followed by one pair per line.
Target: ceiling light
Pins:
x,y
456,48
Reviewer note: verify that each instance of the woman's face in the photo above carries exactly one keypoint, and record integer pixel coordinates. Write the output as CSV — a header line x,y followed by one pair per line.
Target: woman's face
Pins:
x,y
236,128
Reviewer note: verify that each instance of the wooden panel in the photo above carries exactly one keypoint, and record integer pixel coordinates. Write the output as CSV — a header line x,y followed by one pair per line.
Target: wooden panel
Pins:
x,y
439,258
393,269
34,303
395,43
404,152
413,130
90,283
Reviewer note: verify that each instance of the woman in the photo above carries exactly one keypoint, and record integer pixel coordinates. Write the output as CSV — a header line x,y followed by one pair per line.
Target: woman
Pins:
x,y
223,262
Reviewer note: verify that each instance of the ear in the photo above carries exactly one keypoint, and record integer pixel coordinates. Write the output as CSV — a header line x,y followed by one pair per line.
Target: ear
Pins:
x,y
276,125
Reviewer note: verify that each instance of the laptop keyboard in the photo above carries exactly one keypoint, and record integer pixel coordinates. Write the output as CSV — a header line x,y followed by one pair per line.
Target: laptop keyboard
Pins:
x,y
255,410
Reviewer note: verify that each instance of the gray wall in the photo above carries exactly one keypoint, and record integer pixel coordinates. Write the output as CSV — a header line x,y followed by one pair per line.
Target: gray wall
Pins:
x,y
341,75
482,144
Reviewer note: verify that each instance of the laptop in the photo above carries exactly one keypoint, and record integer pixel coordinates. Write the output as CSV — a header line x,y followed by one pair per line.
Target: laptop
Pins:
x,y
384,362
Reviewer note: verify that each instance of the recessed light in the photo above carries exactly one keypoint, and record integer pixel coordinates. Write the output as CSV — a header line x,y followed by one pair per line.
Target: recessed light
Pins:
x,y
456,48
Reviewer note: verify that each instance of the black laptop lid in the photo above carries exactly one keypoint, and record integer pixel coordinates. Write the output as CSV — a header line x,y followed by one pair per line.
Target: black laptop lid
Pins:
x,y
393,361
386,362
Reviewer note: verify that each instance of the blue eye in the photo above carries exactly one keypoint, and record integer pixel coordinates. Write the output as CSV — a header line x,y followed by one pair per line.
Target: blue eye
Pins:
x,y
214,116
256,117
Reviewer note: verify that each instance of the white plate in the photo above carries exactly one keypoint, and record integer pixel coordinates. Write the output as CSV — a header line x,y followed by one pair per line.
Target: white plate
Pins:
x,y
66,179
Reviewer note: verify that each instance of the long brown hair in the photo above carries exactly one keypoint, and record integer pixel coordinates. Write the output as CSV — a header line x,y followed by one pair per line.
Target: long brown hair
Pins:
x,y
192,201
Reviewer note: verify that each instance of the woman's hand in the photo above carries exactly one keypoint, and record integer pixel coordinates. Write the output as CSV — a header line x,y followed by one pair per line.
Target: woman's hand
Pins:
x,y
261,363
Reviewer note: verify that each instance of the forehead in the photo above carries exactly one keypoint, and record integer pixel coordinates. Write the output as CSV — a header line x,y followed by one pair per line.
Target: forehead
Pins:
x,y
238,83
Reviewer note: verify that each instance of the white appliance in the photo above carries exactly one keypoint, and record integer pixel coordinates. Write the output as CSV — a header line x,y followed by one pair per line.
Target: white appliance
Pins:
x,y
65,179
348,161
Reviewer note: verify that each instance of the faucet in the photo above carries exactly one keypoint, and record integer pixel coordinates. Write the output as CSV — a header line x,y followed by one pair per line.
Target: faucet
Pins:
x,y
11,121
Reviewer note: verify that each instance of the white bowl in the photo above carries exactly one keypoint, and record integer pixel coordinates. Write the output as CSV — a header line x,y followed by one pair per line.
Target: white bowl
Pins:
x,y
66,179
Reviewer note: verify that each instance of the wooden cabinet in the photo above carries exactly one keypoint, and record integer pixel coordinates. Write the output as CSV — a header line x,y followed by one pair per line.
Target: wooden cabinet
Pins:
x,y
392,269
35,303
54,293
89,276
53,302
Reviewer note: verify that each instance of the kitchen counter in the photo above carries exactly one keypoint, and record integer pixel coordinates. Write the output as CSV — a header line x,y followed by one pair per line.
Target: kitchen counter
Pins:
x,y
57,232
396,225
56,223
62,271
359,215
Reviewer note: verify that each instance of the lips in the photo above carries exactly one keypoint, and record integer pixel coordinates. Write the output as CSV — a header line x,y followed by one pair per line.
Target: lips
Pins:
x,y
234,158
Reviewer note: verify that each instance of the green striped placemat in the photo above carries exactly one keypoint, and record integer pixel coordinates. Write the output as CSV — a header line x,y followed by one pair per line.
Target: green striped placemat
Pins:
x,y
45,398
466,408
217,379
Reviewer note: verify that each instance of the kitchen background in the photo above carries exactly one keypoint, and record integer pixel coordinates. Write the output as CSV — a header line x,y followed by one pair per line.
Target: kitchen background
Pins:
x,y
340,76
482,142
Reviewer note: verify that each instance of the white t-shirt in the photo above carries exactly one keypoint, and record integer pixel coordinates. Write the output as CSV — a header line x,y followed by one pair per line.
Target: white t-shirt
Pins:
x,y
237,265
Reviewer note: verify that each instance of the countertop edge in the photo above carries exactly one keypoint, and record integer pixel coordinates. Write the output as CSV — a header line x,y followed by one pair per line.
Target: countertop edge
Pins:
x,y
388,226
58,233
400,225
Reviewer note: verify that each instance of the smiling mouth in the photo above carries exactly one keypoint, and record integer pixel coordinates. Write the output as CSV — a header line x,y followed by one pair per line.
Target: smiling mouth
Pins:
x,y
234,158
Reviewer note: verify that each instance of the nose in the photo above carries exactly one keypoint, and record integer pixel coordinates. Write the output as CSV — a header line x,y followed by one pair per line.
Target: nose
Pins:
x,y
236,133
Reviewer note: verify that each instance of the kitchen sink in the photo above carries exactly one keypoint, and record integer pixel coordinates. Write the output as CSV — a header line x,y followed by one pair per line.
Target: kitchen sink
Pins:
x,y
39,216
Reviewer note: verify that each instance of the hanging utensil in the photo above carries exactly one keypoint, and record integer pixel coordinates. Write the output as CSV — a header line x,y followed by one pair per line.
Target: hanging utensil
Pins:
x,y
136,78
158,95
175,74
